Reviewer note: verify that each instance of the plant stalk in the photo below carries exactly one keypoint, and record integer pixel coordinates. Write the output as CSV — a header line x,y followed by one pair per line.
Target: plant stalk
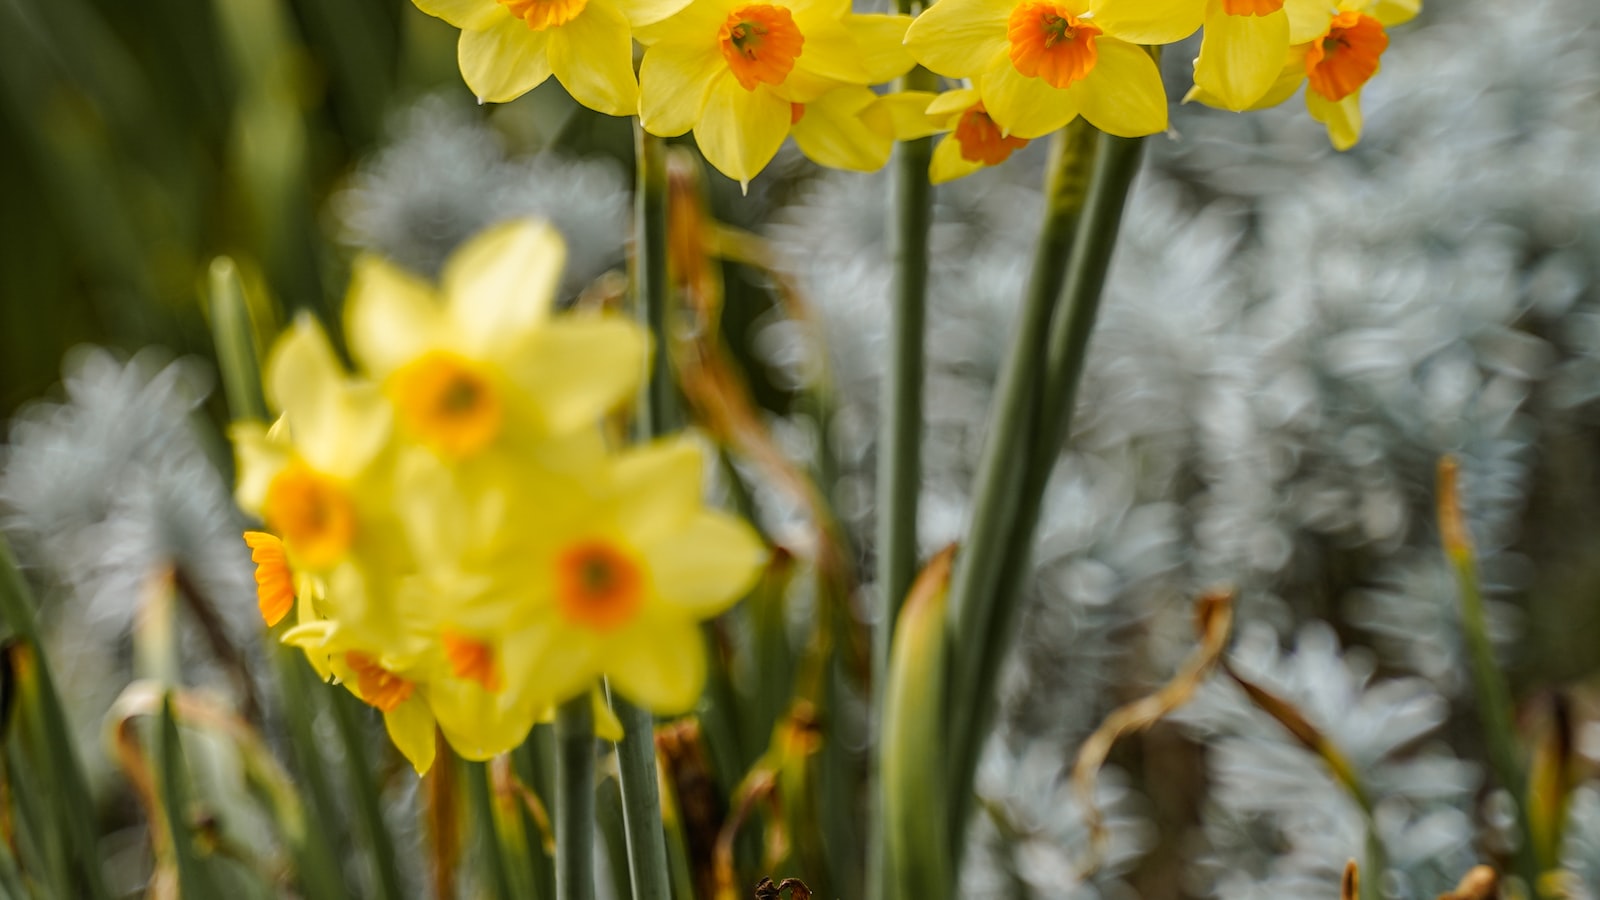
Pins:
x,y
975,603
575,799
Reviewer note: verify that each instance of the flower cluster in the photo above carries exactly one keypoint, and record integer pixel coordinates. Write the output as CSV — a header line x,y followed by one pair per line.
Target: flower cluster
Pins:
x,y
461,546
743,76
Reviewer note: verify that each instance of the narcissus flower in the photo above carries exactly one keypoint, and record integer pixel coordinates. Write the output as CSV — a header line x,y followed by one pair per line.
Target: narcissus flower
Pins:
x,y
733,71
1039,64
855,128
479,366
509,47
974,141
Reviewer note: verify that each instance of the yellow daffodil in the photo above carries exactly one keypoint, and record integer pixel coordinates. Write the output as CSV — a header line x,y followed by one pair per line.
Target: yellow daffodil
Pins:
x,y
613,580
974,141
1339,45
478,366
1041,63
733,71
1242,50
509,47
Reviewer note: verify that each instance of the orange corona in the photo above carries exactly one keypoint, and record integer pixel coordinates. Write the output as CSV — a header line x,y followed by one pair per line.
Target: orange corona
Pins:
x,y
981,140
311,513
1341,61
543,14
1050,44
274,580
448,403
378,686
471,659
760,43
598,585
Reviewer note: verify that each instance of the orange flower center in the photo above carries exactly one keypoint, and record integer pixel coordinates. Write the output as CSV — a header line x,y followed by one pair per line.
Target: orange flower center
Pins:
x,y
274,580
598,585
311,513
471,659
1342,60
448,403
1049,43
376,685
1251,7
542,14
981,140
760,42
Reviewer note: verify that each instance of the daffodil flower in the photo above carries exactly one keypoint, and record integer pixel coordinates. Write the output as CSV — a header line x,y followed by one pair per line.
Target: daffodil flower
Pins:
x,y
509,47
733,71
974,140
1039,64
479,367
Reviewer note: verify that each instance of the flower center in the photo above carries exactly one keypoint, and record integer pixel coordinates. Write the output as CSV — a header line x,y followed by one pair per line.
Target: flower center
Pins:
x,y
542,14
471,659
1049,43
274,580
1342,60
760,42
448,403
1251,7
311,513
376,685
598,585
981,140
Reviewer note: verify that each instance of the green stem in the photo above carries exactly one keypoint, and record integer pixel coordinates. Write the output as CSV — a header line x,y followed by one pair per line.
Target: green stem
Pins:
x,y
380,847
194,880
575,799
974,601
900,435
72,797
641,803
318,871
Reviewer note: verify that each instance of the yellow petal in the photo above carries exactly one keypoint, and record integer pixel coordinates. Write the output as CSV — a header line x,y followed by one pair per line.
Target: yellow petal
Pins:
x,y
953,102
505,60
1023,106
1343,118
659,665
607,727
1308,19
658,486
578,368
674,79
649,12
463,14
390,316
500,285
705,566
846,128
830,56
592,57
948,164
742,130
908,113
881,40
411,726
1392,12
1148,21
480,724
337,425
1123,94
1241,56
959,38
257,460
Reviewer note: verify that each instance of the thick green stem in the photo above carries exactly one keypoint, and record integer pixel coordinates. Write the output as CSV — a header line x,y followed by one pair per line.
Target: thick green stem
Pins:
x,y
974,600
641,803
900,434
575,799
